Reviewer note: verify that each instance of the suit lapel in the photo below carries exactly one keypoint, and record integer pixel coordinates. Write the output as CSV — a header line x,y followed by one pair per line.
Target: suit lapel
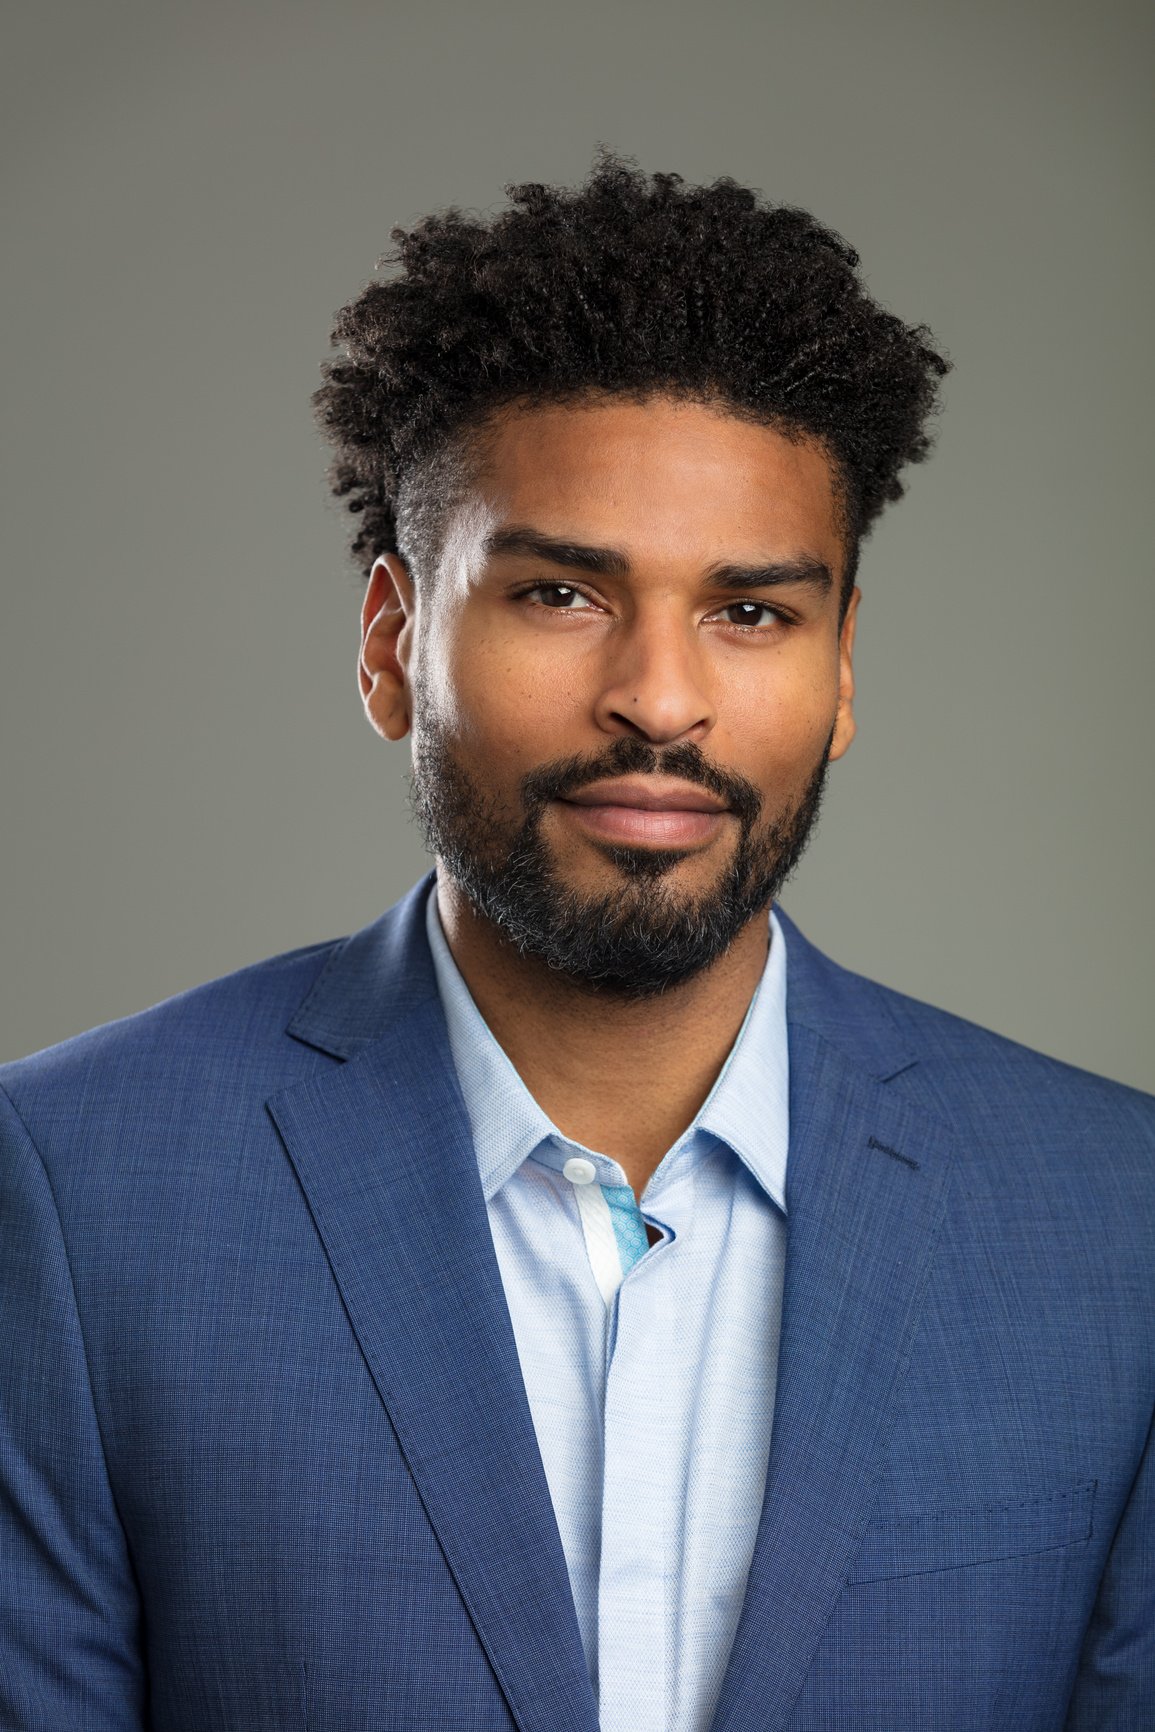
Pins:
x,y
382,1148
865,1195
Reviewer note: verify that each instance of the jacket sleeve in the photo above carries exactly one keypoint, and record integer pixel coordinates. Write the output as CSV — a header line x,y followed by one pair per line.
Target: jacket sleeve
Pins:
x,y
70,1653
1115,1686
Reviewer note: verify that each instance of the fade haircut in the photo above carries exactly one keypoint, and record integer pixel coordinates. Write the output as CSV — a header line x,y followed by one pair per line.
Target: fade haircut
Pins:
x,y
629,285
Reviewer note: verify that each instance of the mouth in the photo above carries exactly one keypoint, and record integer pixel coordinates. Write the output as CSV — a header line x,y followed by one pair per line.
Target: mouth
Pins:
x,y
648,811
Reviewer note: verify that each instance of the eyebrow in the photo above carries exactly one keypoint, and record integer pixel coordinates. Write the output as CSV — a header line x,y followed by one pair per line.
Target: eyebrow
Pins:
x,y
605,561
612,562
772,576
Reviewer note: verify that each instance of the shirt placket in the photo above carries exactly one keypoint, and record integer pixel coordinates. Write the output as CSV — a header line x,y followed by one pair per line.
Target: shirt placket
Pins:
x,y
638,1587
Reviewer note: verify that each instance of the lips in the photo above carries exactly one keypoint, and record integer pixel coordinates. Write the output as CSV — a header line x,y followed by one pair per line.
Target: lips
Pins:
x,y
647,811
648,794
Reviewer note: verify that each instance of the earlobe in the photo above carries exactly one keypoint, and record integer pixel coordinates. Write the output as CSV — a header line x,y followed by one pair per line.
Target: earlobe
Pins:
x,y
845,728
382,669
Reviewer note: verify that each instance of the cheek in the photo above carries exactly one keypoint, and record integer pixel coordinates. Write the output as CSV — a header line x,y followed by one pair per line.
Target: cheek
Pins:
x,y
502,703
779,717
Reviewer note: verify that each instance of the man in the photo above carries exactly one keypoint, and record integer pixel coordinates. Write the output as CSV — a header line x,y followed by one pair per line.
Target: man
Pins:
x,y
572,1300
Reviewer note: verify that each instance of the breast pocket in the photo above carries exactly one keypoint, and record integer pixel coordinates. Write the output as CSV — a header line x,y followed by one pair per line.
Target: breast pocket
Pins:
x,y
950,1539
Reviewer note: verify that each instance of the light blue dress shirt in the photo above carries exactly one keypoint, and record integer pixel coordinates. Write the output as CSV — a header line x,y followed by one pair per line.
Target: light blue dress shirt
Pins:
x,y
650,1371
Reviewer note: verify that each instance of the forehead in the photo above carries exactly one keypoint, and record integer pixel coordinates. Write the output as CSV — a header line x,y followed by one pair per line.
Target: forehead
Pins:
x,y
667,480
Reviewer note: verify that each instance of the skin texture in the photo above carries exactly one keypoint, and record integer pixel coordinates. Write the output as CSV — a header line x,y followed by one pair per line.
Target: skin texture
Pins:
x,y
659,652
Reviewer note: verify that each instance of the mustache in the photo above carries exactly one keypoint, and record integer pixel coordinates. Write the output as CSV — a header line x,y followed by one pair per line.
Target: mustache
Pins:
x,y
633,757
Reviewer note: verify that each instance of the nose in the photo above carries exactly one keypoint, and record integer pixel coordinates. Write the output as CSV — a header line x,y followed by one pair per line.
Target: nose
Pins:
x,y
655,684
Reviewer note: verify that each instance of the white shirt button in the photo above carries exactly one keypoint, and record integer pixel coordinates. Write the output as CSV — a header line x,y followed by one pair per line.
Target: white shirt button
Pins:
x,y
579,1171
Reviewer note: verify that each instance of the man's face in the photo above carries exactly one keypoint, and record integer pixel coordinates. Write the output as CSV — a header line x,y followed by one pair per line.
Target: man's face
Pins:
x,y
624,683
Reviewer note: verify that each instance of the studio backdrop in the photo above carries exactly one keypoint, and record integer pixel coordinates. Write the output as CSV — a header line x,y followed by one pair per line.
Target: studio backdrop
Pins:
x,y
189,191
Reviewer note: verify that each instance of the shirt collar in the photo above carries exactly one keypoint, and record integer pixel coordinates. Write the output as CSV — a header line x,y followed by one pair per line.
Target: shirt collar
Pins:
x,y
747,1108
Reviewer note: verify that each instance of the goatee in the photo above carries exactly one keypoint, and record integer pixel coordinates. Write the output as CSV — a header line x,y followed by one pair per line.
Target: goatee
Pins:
x,y
642,937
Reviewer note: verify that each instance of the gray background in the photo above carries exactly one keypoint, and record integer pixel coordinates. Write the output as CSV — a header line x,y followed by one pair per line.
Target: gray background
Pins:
x,y
189,193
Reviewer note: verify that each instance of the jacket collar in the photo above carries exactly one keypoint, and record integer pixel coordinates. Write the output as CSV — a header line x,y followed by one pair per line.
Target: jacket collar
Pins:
x,y
372,980
385,972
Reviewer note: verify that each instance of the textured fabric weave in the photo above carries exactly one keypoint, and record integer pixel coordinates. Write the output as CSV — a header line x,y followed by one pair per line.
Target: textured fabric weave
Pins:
x,y
267,1462
652,1394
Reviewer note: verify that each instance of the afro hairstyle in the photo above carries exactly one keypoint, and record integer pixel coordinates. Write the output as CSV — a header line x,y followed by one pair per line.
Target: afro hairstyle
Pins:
x,y
630,284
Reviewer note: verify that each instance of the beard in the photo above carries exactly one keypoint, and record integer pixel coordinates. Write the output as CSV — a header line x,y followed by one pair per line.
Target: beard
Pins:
x,y
641,937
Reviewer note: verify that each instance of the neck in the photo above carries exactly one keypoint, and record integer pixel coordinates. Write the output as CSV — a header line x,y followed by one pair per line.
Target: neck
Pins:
x,y
624,1077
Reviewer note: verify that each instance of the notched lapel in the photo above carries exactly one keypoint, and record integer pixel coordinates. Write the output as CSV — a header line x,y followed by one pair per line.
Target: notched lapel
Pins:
x,y
383,1152
866,1187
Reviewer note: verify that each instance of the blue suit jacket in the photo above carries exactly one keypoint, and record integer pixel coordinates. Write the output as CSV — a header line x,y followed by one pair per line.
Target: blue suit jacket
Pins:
x,y
266,1459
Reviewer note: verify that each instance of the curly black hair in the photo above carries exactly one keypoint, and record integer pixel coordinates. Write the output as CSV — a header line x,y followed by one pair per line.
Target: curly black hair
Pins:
x,y
629,284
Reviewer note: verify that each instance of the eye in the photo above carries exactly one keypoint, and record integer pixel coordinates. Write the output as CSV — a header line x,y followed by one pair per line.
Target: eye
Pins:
x,y
562,596
750,613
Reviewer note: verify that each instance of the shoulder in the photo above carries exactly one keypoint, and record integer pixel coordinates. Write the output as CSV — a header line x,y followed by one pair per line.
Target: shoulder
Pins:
x,y
1024,1115
1053,1164
202,1065
960,1059
230,1031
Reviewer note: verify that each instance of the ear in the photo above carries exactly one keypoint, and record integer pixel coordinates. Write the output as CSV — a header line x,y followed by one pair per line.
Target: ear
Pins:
x,y
845,726
387,616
